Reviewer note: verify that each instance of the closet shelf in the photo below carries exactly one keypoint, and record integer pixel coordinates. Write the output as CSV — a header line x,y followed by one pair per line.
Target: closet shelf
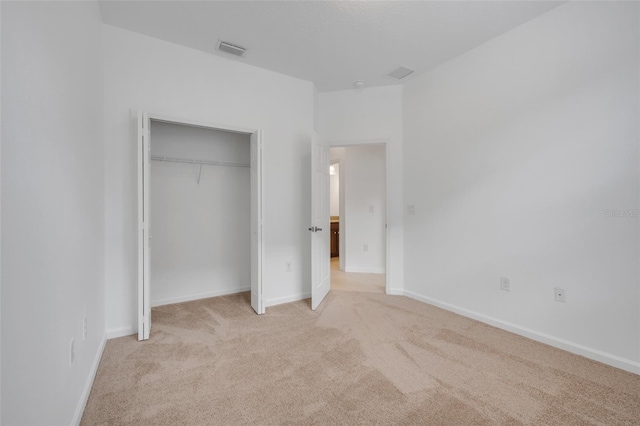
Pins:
x,y
213,163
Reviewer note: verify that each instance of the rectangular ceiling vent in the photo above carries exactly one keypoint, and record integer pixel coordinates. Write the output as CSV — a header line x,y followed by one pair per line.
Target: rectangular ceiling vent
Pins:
x,y
231,48
401,72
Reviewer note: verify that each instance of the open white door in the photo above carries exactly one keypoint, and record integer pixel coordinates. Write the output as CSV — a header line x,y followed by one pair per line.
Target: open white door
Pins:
x,y
320,254
144,305
256,222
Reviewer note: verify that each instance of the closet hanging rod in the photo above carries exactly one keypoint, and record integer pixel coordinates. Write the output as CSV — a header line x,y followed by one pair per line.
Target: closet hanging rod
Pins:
x,y
213,163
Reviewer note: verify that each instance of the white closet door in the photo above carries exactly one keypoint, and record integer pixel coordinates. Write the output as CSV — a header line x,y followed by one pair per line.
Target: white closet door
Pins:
x,y
256,223
144,305
320,227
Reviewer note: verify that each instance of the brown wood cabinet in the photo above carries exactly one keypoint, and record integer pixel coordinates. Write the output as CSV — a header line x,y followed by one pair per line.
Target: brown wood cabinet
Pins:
x,y
335,239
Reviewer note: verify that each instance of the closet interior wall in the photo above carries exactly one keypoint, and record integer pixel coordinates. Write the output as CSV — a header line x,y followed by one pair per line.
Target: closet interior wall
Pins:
x,y
199,213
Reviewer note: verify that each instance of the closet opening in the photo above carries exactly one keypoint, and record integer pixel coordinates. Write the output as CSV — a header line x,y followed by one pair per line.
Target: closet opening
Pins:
x,y
199,214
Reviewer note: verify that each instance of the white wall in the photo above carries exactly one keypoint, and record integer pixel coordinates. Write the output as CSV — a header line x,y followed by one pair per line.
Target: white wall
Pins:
x,y
143,73
52,209
201,231
513,153
334,191
0,223
353,117
364,209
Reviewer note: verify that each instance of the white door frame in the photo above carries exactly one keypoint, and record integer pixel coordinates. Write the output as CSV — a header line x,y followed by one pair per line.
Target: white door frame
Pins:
x,y
385,142
144,300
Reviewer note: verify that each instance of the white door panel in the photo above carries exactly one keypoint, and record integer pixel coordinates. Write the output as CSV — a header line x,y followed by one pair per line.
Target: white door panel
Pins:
x,y
256,223
320,227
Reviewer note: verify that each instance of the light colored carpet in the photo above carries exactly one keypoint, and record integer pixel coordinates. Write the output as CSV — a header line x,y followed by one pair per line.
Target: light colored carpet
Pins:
x,y
355,281
362,358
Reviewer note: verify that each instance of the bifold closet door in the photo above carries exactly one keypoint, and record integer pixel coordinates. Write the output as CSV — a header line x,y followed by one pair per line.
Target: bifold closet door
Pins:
x,y
256,223
144,301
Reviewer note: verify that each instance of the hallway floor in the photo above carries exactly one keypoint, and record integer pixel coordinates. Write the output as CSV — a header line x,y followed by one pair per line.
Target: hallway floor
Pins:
x,y
355,281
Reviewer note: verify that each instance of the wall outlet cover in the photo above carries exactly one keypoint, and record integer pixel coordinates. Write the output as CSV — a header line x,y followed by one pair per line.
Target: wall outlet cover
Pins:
x,y
505,284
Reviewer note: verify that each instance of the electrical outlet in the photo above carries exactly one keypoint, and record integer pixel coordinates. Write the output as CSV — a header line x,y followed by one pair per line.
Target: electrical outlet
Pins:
x,y
560,294
84,329
366,247
505,284
411,210
288,266
72,354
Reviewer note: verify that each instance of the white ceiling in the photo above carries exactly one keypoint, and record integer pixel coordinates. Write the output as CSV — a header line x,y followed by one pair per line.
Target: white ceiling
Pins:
x,y
331,43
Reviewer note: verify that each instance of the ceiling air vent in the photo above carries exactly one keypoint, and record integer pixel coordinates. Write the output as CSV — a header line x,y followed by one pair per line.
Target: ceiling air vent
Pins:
x,y
401,72
231,48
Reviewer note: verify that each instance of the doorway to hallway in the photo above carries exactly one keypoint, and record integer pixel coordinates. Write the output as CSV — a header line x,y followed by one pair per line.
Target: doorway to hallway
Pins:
x,y
358,212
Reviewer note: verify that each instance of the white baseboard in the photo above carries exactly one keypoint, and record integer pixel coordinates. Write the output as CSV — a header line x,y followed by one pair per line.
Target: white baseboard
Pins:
x,y
120,332
364,270
77,416
190,297
286,299
395,292
587,352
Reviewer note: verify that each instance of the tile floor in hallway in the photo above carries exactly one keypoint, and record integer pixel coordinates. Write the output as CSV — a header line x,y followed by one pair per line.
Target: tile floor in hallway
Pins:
x,y
355,281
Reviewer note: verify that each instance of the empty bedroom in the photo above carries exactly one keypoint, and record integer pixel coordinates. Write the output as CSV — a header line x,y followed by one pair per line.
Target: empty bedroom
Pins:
x,y
320,212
